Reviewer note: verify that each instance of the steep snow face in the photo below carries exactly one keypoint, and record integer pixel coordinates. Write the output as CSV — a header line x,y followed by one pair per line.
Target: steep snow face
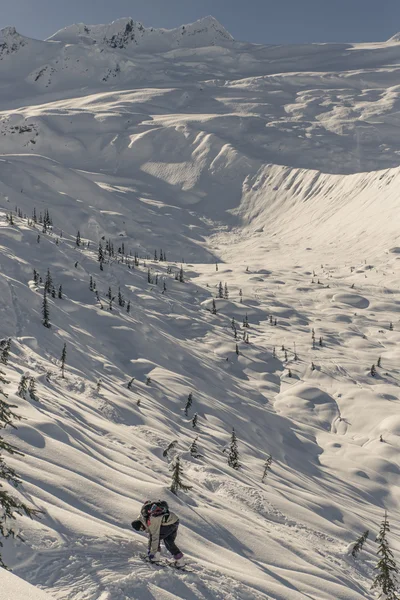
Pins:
x,y
128,34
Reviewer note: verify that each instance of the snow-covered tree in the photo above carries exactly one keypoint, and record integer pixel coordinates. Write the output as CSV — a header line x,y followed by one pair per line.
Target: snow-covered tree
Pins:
x,y
194,452
45,310
214,308
233,453
5,346
194,420
177,473
267,468
63,360
358,546
23,386
386,578
189,402
220,290
10,506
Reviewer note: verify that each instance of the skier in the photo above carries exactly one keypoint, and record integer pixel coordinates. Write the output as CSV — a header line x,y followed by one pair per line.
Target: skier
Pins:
x,y
160,524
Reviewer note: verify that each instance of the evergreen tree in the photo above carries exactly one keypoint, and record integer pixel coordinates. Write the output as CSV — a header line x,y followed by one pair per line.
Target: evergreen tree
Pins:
x,y
220,290
60,292
246,321
358,546
391,326
35,277
373,371
194,420
78,240
23,386
214,308
100,256
63,360
233,453
130,383
189,402
32,389
233,323
53,292
48,284
226,292
5,347
379,363
128,307
181,279
121,300
10,506
149,276
267,468
177,483
237,350
194,452
91,284
386,577
45,310
320,341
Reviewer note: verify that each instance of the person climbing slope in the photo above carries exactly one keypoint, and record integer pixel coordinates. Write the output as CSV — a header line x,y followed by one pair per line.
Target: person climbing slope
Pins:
x,y
160,524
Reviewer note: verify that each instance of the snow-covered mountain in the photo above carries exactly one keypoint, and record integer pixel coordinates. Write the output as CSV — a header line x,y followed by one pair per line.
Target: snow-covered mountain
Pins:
x,y
281,165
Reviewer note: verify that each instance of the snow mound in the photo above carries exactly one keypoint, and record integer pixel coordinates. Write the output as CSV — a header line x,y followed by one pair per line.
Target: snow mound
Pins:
x,y
125,33
15,588
307,404
354,300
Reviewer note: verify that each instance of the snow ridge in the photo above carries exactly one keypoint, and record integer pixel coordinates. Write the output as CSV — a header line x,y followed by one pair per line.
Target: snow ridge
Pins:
x,y
125,33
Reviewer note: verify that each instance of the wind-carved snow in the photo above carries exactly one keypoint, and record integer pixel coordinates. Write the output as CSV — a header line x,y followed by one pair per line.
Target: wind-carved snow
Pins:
x,y
281,165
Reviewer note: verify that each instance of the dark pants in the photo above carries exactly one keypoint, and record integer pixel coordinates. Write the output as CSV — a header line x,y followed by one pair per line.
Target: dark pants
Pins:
x,y
168,534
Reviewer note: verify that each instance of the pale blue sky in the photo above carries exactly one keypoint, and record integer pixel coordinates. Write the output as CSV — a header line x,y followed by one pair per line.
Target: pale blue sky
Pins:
x,y
263,21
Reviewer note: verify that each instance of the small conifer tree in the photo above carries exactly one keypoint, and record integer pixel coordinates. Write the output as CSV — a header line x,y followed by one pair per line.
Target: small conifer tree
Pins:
x,y
63,360
78,239
189,402
60,292
379,362
193,448
214,308
373,371
45,310
267,468
237,350
48,284
23,386
177,483
233,453
181,278
128,307
226,291
220,290
358,546
391,326
130,383
10,506
194,420
386,578
32,389
5,347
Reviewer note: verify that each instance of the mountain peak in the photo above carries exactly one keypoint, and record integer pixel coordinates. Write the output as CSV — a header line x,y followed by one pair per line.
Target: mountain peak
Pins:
x,y
124,33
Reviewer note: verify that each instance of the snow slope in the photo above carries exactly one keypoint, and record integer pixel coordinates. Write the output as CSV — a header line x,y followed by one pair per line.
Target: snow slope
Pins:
x,y
282,165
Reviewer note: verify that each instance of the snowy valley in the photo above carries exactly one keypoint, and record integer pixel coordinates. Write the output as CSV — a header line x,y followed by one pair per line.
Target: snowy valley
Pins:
x,y
266,178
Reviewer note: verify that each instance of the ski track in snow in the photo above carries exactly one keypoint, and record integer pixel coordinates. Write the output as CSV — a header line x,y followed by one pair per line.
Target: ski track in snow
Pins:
x,y
214,151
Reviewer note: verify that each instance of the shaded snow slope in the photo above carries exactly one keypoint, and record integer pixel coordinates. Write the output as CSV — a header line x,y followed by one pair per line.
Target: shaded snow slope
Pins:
x,y
281,164
14,588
